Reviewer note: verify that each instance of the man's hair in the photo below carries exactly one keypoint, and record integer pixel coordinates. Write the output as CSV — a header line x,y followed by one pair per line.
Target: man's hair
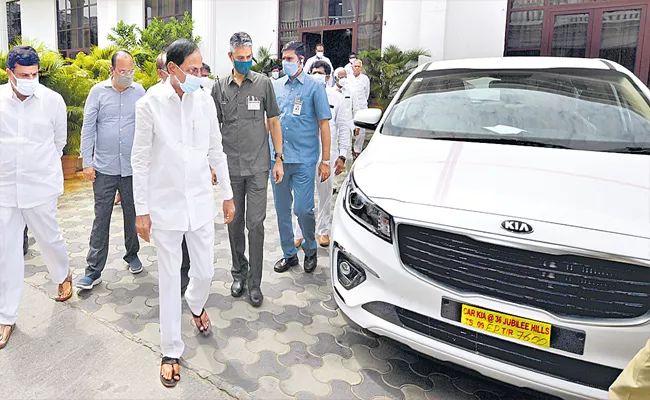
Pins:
x,y
178,51
321,64
353,54
358,60
240,39
296,46
275,67
22,55
339,69
160,60
117,54
206,67
320,45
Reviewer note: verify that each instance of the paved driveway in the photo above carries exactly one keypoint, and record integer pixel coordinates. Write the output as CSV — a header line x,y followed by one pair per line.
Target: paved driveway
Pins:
x,y
297,345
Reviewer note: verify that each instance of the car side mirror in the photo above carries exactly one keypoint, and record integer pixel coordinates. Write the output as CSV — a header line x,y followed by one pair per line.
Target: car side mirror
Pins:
x,y
368,118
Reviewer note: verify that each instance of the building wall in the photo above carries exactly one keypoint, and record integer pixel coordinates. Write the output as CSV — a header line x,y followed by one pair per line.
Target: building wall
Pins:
x,y
110,12
3,27
38,21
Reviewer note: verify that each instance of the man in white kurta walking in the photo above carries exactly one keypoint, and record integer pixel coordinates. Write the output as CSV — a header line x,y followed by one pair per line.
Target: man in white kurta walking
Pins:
x,y
361,89
177,139
340,126
33,132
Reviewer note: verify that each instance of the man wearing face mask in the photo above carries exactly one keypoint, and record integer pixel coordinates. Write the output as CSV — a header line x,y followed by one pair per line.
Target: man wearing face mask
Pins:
x,y
177,140
106,142
245,100
207,83
340,126
351,105
320,56
275,72
304,113
348,66
33,133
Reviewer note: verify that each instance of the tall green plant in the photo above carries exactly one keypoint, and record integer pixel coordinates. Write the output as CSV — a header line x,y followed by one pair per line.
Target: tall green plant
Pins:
x,y
388,69
264,60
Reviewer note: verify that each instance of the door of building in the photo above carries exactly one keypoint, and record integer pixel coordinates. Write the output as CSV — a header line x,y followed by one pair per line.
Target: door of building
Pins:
x,y
337,43
613,33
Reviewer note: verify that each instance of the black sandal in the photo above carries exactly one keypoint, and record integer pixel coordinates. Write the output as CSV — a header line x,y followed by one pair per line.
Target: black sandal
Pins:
x,y
171,382
206,329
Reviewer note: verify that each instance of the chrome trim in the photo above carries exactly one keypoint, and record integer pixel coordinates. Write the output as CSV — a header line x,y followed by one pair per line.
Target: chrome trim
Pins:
x,y
349,255
522,244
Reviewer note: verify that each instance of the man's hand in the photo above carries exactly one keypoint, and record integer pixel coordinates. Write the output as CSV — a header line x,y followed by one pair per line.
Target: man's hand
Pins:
x,y
89,174
278,172
340,166
228,211
214,176
356,131
143,226
323,172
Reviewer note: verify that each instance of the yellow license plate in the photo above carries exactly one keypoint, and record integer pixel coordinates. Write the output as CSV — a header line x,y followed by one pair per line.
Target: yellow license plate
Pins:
x,y
527,330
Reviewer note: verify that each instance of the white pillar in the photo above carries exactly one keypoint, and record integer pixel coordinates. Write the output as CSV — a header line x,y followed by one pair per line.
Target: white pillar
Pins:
x,y
3,27
204,14
131,12
38,20
106,20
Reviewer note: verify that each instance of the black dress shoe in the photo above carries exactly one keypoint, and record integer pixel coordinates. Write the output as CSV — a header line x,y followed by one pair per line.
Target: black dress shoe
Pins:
x,y
310,263
237,288
256,296
284,264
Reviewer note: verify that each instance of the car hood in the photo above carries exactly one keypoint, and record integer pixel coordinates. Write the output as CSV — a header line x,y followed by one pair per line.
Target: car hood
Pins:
x,y
594,190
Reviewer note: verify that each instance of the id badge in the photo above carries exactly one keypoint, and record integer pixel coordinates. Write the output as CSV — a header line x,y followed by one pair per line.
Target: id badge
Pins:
x,y
298,106
253,105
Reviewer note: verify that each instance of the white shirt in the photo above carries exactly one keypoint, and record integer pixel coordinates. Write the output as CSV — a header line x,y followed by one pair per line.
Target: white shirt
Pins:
x,y
340,124
176,142
361,88
32,136
312,60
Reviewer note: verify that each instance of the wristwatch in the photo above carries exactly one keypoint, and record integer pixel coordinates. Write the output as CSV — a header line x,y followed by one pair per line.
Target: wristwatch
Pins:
x,y
280,156
326,162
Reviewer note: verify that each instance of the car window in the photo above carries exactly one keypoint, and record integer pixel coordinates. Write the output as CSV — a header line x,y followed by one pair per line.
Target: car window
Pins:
x,y
581,109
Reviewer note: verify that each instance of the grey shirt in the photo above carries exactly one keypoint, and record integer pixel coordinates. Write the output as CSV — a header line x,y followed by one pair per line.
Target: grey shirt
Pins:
x,y
108,128
241,111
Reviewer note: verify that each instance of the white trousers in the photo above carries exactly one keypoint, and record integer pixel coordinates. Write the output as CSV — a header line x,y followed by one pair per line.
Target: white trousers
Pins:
x,y
358,140
200,244
42,223
323,207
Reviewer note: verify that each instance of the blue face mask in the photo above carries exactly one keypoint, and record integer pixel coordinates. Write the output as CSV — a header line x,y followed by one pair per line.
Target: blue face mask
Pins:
x,y
290,68
243,67
191,84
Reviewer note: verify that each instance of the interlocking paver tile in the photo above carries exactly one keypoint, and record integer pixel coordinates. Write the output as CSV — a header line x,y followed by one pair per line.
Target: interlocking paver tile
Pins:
x,y
353,337
327,345
239,310
235,350
443,388
372,385
129,323
312,293
286,283
295,333
362,359
238,327
290,298
204,362
266,365
389,349
302,380
298,354
316,308
136,306
426,367
87,302
266,320
333,369
322,324
400,375
305,396
292,314
107,312
412,392
339,390
266,342
270,389
235,374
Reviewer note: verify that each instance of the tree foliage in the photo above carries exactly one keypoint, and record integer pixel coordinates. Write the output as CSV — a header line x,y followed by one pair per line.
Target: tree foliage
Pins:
x,y
264,60
388,69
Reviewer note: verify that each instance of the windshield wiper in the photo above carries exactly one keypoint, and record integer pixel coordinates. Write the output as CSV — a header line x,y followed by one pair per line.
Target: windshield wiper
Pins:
x,y
631,150
519,142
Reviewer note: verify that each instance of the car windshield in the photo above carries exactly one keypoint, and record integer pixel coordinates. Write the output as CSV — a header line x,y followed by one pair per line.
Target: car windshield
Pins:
x,y
600,110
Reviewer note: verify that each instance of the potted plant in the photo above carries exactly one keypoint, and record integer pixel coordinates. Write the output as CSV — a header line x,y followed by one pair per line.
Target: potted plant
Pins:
x,y
72,148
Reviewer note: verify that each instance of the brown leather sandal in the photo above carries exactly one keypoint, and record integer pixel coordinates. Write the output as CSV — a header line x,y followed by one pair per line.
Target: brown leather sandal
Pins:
x,y
4,340
62,295
175,376
204,329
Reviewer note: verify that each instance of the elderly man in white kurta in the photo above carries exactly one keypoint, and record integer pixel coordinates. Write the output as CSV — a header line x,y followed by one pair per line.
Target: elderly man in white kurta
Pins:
x,y
33,132
177,139
361,89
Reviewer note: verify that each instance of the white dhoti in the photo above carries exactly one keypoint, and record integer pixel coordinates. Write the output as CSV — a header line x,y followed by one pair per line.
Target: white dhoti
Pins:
x,y
200,244
42,223
322,207
359,139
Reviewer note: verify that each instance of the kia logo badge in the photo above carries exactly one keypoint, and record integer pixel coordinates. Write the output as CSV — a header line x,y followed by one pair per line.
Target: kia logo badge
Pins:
x,y
516,226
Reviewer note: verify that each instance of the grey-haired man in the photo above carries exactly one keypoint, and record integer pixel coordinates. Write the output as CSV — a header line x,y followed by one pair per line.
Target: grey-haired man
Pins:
x,y
245,100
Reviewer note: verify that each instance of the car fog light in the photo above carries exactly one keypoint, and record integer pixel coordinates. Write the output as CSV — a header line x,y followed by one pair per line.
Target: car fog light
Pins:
x,y
349,275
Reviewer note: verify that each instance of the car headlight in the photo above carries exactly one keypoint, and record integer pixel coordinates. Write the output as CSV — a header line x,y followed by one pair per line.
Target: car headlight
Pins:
x,y
367,213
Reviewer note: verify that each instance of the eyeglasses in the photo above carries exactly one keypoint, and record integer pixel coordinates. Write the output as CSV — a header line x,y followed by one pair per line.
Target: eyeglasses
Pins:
x,y
125,71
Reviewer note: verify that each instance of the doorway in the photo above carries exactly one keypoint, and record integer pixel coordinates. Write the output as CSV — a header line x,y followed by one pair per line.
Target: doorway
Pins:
x,y
337,42
311,40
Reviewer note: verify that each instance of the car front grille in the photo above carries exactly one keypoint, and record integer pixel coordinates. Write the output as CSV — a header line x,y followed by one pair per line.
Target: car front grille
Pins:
x,y
566,285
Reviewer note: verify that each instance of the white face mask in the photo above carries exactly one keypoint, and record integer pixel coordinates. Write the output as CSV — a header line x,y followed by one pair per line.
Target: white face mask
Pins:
x,y
343,82
275,74
320,54
26,87
320,77
352,60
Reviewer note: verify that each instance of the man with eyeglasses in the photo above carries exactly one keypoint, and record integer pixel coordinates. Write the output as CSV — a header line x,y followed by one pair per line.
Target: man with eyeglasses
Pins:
x,y
106,143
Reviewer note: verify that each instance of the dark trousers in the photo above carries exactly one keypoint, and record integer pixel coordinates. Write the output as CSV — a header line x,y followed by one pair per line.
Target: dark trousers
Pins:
x,y
25,241
185,267
104,188
249,194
